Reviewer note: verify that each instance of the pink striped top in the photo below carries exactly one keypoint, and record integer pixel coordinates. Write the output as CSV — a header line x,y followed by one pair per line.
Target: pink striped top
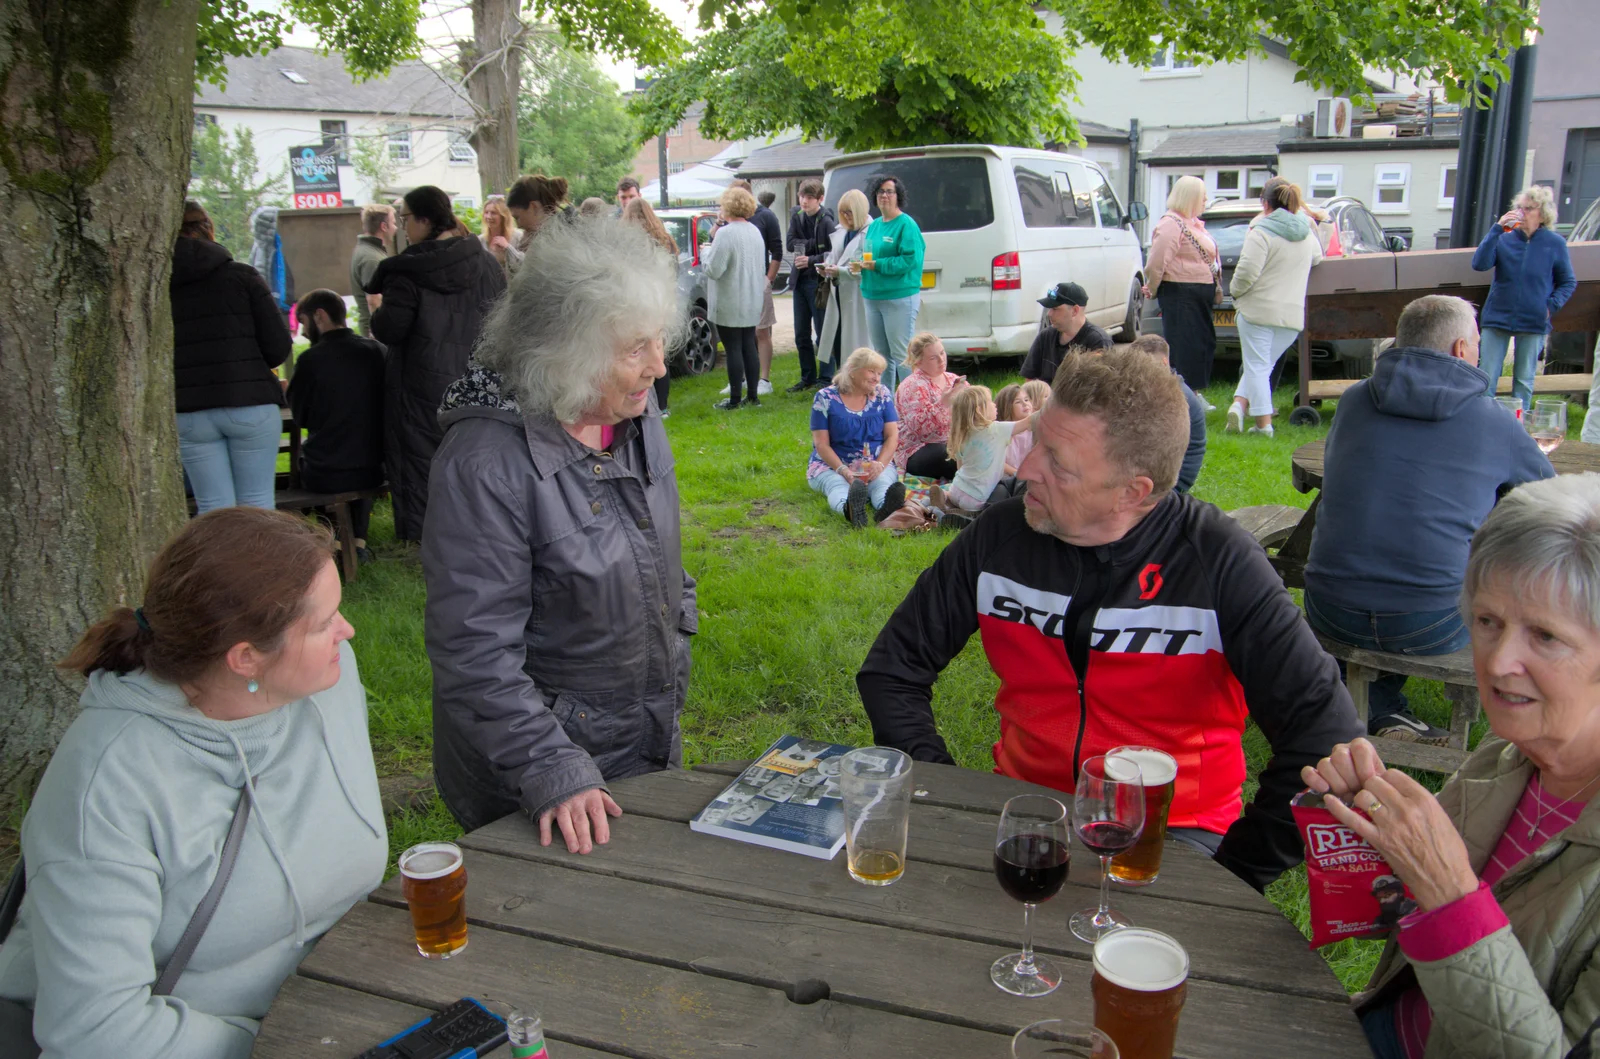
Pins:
x,y
1445,931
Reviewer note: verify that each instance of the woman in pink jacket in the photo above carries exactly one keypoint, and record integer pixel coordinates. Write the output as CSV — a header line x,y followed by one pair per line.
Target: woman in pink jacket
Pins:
x,y
1182,272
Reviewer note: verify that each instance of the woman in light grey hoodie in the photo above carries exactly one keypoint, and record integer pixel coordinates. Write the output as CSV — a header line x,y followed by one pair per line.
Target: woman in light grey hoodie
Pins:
x,y
736,265
1269,292
233,680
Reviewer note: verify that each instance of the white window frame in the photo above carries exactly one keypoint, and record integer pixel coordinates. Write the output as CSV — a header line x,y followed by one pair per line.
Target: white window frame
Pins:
x,y
399,140
1217,193
1167,64
1446,202
675,132
1254,187
674,168
1319,177
466,202
461,151
1387,176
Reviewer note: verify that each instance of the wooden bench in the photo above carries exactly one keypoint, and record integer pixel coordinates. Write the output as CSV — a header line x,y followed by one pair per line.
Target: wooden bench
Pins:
x,y
1269,524
1574,384
306,500
1460,687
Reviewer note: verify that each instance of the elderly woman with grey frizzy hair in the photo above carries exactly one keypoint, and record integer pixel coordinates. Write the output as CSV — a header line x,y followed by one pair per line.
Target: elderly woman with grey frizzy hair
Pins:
x,y
559,613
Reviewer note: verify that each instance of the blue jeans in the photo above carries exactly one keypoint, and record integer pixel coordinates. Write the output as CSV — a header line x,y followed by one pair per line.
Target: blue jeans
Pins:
x,y
1426,632
891,322
231,455
1492,346
808,313
832,485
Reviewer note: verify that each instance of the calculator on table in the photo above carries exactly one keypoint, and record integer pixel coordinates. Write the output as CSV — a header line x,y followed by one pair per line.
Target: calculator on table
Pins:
x,y
464,1030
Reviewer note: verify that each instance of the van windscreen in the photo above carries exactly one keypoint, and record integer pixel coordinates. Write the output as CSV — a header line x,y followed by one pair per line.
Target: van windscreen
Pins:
x,y
944,193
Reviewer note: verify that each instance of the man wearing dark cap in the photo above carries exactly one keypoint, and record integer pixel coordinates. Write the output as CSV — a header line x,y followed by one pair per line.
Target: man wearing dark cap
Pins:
x,y
1068,326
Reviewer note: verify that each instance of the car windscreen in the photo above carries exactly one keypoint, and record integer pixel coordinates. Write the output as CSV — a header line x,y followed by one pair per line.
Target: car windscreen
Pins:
x,y
1229,232
944,193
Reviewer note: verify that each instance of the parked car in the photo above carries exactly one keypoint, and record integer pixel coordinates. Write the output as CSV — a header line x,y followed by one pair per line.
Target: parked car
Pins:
x,y
1568,349
1359,233
1002,225
691,229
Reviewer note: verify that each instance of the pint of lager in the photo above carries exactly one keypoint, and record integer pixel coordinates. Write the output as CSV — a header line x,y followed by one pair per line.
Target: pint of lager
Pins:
x,y
434,882
1140,865
1140,979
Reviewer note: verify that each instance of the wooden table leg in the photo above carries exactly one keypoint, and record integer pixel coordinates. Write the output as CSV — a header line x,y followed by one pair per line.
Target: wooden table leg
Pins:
x,y
347,539
1464,706
1359,679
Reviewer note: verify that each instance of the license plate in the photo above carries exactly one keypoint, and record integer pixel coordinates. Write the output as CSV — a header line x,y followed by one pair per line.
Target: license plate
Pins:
x,y
1222,319
929,279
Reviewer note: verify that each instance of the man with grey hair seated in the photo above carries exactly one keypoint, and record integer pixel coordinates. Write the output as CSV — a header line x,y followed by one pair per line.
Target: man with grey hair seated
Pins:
x,y
559,612
1417,457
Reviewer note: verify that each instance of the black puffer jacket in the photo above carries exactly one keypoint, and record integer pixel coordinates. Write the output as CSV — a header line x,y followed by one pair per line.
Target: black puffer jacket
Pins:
x,y
227,332
435,296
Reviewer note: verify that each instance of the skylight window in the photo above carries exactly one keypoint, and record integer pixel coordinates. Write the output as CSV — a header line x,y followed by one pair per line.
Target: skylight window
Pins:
x,y
295,76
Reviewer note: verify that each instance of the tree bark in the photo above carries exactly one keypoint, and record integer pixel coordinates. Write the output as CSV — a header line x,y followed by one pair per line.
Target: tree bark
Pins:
x,y
95,124
492,64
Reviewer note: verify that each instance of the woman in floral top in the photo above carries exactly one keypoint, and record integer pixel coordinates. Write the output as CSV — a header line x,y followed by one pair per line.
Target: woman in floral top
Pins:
x,y
923,402
854,430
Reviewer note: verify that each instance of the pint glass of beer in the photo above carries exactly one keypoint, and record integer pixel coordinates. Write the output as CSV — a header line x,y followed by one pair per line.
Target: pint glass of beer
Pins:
x,y
1140,979
1140,865
875,785
434,881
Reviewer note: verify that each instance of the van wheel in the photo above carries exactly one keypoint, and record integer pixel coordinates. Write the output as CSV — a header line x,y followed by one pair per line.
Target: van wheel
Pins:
x,y
699,352
1130,323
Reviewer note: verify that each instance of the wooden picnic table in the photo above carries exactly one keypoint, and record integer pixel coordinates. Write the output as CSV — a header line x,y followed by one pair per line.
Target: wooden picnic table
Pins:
x,y
1571,457
667,943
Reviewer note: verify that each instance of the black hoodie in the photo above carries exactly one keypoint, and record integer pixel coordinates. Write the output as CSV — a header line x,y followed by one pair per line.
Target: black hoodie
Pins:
x,y
227,332
435,297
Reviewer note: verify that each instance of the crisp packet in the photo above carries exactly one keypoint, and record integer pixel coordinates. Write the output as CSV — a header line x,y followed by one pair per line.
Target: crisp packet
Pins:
x,y
1353,892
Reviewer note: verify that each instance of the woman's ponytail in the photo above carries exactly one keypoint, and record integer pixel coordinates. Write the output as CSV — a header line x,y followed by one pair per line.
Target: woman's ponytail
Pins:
x,y
117,642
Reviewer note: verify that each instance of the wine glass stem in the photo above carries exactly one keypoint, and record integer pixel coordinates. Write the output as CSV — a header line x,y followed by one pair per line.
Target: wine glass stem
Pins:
x,y
1105,887
1025,965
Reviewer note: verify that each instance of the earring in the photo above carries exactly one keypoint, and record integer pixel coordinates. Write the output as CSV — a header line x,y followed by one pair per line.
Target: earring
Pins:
x,y
252,687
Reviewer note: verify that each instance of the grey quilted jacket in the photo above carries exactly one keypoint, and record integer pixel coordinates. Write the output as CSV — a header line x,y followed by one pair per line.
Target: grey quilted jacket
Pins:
x,y
558,610
1530,990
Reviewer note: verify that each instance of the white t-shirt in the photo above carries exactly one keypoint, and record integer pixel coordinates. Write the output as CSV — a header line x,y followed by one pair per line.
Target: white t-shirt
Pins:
x,y
982,460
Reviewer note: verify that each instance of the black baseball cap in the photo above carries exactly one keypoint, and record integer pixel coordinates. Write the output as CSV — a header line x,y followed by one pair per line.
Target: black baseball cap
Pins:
x,y
1064,294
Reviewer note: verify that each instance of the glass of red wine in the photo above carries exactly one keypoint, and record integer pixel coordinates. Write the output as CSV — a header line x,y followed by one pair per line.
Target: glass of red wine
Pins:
x,y
1107,814
1031,853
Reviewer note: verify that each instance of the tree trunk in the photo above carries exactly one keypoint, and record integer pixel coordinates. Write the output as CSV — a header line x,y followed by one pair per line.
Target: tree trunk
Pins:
x,y
94,154
492,63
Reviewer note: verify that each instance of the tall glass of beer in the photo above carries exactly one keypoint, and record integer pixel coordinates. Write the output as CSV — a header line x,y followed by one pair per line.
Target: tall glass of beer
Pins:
x,y
1140,980
875,786
434,881
1140,865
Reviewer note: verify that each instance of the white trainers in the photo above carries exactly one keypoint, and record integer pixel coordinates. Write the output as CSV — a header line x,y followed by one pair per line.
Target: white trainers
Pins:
x,y
1265,431
1235,423
763,388
726,390
1209,407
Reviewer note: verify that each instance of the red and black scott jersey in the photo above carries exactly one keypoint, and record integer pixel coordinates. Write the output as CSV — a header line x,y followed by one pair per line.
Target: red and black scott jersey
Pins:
x,y
1171,638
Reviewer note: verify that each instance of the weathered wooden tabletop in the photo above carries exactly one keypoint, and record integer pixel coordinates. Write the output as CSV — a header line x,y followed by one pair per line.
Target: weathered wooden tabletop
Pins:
x,y
1572,457
667,943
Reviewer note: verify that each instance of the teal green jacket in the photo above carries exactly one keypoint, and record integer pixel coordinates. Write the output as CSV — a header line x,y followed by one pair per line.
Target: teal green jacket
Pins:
x,y
897,250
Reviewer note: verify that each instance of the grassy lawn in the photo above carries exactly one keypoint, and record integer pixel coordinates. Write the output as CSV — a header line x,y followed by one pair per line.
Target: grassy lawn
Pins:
x,y
790,600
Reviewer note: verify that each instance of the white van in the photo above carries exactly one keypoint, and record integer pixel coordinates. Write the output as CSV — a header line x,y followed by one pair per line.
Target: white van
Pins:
x,y
1003,225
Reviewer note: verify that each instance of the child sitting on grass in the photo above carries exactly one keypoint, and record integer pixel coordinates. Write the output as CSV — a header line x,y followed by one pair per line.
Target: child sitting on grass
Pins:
x,y
978,445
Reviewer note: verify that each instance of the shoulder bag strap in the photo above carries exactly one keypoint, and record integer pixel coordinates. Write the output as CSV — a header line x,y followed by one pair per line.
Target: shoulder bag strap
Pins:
x,y
11,900
208,904
1204,256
